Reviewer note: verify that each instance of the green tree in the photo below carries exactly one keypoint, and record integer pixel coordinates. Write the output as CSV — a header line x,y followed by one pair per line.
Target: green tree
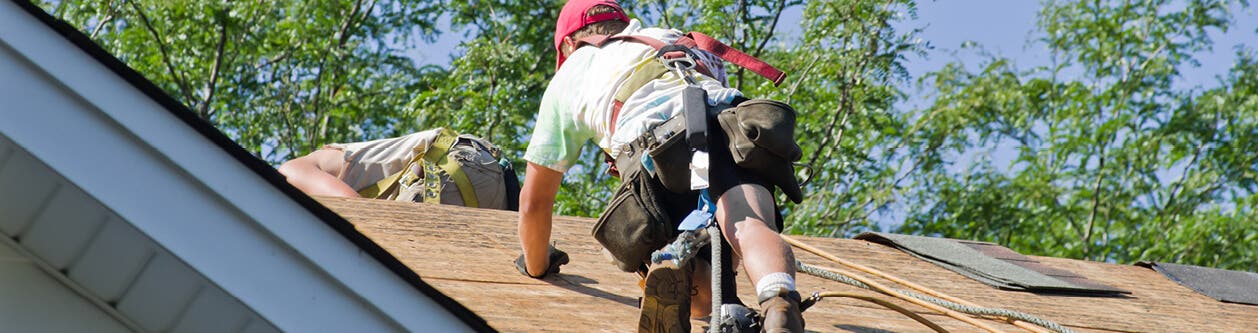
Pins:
x,y
285,77
1114,161
844,74
849,65
281,77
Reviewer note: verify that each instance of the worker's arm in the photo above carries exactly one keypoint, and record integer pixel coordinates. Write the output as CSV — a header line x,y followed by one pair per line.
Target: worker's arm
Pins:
x,y
537,202
315,174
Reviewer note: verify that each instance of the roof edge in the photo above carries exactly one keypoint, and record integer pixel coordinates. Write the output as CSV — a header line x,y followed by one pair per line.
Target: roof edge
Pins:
x,y
260,167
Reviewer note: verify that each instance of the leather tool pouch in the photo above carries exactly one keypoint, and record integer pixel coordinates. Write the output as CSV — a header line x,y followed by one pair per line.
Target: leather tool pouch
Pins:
x,y
672,163
635,224
760,130
762,139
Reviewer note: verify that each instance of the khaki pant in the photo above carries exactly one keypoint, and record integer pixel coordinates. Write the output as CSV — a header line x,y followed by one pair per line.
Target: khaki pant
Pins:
x,y
367,163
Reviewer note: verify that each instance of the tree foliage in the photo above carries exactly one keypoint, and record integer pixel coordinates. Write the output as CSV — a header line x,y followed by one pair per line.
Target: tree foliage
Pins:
x,y
1110,158
1113,160
281,77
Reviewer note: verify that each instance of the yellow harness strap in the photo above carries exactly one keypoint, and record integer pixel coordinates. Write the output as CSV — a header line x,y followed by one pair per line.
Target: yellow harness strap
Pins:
x,y
438,161
644,71
387,185
435,161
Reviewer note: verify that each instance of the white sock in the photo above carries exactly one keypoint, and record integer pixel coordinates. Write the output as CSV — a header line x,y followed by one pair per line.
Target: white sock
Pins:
x,y
774,282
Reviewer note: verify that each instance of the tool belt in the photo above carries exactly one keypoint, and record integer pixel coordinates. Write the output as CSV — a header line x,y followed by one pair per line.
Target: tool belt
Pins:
x,y
664,144
644,212
761,139
761,136
655,193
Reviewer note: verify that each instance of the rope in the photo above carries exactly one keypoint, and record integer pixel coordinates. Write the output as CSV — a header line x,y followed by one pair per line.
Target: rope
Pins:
x,y
714,233
974,310
888,305
892,278
847,277
944,301
910,284
684,248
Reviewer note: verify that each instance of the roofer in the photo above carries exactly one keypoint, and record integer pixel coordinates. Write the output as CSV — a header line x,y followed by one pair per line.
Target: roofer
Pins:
x,y
434,166
613,91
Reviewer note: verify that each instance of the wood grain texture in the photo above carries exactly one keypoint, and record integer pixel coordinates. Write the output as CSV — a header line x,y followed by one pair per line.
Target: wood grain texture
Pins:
x,y
468,253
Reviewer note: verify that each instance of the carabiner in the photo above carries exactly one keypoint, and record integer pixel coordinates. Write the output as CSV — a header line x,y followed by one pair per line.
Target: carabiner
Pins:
x,y
679,64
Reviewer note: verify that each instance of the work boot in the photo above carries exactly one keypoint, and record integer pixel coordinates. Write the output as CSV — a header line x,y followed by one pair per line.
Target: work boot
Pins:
x,y
781,311
666,300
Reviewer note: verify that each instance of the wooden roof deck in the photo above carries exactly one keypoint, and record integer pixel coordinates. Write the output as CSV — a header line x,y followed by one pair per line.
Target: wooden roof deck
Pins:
x,y
468,253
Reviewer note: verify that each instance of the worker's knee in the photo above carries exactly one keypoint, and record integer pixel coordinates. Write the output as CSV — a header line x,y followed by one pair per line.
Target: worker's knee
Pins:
x,y
751,228
746,203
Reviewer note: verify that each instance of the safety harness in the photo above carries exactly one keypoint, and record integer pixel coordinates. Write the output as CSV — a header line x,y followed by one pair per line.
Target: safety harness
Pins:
x,y
434,161
699,227
681,48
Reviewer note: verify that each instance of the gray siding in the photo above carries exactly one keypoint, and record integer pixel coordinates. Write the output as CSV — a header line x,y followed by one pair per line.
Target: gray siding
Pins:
x,y
76,259
32,301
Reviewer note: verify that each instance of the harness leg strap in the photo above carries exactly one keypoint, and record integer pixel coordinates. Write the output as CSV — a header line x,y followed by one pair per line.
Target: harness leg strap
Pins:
x,y
437,161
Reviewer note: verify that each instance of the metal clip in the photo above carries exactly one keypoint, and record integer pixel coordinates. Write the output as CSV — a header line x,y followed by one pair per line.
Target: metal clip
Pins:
x,y
680,65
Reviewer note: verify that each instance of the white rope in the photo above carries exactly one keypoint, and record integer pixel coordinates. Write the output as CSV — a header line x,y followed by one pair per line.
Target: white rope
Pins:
x,y
973,310
714,233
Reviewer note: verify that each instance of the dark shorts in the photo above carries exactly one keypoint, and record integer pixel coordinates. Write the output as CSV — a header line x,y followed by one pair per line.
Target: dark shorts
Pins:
x,y
723,175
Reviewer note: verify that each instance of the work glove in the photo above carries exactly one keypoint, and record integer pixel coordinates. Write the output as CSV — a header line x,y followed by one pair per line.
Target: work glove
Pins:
x,y
557,258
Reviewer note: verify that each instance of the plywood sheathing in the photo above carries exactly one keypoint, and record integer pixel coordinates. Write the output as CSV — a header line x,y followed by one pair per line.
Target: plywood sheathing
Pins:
x,y
467,254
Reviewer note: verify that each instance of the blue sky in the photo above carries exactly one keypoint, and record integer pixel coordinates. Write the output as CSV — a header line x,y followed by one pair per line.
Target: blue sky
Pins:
x,y
1002,27
1005,28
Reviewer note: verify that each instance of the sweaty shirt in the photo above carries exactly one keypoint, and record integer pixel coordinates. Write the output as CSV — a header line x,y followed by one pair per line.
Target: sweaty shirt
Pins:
x,y
577,105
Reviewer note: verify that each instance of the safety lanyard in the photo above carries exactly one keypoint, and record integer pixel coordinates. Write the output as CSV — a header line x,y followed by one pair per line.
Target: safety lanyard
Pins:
x,y
681,61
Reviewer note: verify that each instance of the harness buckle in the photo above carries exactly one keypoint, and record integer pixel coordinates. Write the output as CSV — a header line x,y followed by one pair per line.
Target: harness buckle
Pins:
x,y
679,59
679,63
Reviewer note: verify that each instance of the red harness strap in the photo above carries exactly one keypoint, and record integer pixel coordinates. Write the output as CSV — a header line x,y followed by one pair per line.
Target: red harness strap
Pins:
x,y
734,56
703,42
691,40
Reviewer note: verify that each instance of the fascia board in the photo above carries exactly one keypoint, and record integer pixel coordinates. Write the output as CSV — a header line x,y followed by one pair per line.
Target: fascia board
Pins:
x,y
188,194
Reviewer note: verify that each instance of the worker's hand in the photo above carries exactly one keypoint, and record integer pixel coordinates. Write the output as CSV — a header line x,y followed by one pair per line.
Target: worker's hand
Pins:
x,y
556,256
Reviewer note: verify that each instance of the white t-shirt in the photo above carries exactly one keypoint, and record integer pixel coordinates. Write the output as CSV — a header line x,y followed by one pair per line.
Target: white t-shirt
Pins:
x,y
579,101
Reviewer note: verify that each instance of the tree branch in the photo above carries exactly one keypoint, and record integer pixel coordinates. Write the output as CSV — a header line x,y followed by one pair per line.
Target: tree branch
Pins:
x,y
807,71
212,85
753,32
108,18
1096,204
917,163
845,103
664,13
1074,225
341,37
161,47
772,28
493,92
1179,183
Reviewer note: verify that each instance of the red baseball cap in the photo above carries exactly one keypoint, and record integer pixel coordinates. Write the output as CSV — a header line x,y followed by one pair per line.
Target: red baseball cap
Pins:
x,y
573,18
